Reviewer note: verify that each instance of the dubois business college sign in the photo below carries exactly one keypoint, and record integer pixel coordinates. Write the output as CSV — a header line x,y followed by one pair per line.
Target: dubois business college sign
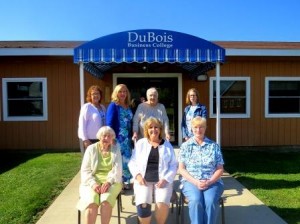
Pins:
x,y
150,39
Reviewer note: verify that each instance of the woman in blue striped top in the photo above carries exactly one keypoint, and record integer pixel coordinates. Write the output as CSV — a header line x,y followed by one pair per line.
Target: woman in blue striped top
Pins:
x,y
194,108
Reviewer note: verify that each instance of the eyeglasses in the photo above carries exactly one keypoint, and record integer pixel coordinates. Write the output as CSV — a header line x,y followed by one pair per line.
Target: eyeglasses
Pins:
x,y
199,127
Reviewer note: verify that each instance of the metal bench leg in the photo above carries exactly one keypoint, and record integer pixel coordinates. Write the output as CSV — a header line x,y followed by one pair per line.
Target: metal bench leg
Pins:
x,y
181,202
79,216
222,210
119,205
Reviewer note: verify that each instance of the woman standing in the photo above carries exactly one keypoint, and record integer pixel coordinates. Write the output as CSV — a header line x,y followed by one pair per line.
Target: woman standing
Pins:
x,y
153,165
91,117
101,177
119,117
201,167
193,109
150,108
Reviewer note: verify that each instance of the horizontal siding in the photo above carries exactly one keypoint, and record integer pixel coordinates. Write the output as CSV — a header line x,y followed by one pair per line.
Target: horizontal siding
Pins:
x,y
60,131
258,130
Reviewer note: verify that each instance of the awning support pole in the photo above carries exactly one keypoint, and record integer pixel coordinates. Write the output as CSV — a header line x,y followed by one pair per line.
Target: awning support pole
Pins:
x,y
218,119
81,80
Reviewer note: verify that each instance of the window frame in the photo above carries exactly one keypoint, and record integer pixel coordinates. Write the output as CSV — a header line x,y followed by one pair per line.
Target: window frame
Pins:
x,y
273,115
248,97
6,117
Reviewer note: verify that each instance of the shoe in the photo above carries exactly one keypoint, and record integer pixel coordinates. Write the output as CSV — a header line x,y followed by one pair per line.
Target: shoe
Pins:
x,y
127,187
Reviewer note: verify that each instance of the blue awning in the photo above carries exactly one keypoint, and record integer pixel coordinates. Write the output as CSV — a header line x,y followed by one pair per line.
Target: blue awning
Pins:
x,y
192,53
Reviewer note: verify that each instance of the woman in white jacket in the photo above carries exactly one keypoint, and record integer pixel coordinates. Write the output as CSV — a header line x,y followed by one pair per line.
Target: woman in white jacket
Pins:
x,y
153,166
101,177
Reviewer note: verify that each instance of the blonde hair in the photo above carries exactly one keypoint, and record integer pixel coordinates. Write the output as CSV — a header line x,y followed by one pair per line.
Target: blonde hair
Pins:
x,y
198,121
114,95
187,98
148,122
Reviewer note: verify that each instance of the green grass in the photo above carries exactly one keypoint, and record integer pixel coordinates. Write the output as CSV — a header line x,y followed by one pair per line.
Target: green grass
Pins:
x,y
30,182
271,176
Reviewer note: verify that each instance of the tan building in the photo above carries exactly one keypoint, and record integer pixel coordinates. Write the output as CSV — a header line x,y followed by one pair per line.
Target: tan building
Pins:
x,y
43,85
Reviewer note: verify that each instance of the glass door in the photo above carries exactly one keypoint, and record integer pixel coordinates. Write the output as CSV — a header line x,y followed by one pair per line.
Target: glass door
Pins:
x,y
167,95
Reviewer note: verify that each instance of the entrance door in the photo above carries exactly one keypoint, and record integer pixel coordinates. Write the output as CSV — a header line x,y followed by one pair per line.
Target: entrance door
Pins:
x,y
167,95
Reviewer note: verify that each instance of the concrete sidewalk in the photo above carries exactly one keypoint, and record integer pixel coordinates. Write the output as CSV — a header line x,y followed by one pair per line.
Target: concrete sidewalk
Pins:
x,y
241,207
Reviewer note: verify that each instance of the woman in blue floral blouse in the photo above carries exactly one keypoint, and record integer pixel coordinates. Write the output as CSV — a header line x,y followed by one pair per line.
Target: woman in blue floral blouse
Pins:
x,y
119,117
201,167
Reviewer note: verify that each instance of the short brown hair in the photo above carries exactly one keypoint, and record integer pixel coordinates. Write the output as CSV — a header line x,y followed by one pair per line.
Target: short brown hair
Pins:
x,y
89,93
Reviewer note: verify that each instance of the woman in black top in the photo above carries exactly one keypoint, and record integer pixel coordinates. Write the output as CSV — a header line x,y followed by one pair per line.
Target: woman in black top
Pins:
x,y
153,166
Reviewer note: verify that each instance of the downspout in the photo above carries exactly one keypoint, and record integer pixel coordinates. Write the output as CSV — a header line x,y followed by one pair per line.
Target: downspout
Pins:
x,y
81,80
218,119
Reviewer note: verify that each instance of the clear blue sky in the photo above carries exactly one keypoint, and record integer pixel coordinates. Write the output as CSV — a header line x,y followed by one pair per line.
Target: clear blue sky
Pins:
x,y
213,20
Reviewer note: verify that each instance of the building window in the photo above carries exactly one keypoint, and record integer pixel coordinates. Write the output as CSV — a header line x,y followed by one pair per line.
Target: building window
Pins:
x,y
282,97
234,97
24,99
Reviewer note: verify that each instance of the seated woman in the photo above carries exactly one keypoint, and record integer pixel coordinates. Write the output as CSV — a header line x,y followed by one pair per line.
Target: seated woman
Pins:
x,y
101,177
153,166
201,166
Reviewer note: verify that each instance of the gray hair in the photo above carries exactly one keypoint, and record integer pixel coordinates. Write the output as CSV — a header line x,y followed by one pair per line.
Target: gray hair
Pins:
x,y
104,130
150,90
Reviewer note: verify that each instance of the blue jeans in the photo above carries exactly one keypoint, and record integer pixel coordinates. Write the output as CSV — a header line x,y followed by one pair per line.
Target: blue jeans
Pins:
x,y
203,204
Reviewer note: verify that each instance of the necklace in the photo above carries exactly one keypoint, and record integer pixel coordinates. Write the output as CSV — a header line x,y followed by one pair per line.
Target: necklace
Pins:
x,y
104,152
155,144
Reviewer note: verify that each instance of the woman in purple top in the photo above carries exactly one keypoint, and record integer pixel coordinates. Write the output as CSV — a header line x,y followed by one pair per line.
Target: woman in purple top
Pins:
x,y
91,118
